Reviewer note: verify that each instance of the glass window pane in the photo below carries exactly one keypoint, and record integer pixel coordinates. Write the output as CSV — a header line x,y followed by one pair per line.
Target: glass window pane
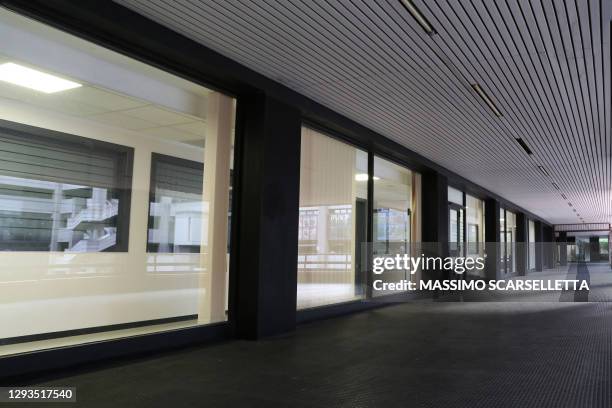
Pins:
x,y
126,148
455,196
392,214
531,244
511,241
332,221
475,225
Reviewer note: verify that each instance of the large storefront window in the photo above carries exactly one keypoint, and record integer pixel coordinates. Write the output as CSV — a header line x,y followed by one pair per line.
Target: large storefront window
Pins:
x,y
474,237
510,242
532,249
332,221
507,241
114,193
394,217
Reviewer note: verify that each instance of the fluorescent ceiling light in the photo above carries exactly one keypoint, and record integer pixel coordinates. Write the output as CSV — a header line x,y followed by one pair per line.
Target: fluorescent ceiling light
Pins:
x,y
30,78
526,148
364,177
543,170
419,17
487,100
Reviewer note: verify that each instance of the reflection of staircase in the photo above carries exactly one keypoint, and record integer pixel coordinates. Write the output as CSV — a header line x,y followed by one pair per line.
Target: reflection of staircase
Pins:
x,y
96,245
94,213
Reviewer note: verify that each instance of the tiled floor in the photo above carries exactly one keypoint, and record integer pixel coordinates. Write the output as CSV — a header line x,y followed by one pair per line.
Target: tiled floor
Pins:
x,y
529,352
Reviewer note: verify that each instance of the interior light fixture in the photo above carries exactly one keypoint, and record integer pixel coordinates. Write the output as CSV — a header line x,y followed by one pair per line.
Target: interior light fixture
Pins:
x,y
564,196
418,16
487,100
30,78
570,204
524,145
364,177
555,185
543,170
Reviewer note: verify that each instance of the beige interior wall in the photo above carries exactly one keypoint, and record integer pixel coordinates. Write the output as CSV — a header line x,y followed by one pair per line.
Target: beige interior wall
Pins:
x,y
327,170
54,291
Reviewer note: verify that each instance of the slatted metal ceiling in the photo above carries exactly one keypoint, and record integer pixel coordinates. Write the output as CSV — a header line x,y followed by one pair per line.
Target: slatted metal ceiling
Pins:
x,y
546,65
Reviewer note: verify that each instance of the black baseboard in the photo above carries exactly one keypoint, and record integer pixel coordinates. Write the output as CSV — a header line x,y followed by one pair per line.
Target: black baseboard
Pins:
x,y
355,306
23,368
91,330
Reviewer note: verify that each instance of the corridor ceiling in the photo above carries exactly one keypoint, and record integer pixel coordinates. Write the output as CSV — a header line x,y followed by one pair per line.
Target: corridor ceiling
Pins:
x,y
544,63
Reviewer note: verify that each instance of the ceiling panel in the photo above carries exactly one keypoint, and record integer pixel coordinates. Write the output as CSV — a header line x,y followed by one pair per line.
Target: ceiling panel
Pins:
x,y
546,64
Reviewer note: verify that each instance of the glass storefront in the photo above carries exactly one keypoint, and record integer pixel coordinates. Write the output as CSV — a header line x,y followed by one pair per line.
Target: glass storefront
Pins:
x,y
475,222
507,241
392,218
332,221
510,242
114,193
532,245
456,222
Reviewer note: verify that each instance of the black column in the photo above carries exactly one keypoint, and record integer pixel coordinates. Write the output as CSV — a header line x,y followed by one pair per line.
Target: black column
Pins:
x,y
521,244
549,238
594,248
434,219
265,260
562,244
492,239
538,246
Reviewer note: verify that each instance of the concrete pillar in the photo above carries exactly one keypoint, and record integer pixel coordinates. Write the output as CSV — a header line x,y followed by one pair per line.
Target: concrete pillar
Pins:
x,y
492,243
266,249
538,246
435,214
521,244
562,244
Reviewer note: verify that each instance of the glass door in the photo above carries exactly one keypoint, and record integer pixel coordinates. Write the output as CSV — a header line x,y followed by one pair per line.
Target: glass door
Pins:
x,y
455,231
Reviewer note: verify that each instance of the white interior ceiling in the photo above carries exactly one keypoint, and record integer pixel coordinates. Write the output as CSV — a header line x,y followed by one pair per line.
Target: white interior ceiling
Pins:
x,y
546,64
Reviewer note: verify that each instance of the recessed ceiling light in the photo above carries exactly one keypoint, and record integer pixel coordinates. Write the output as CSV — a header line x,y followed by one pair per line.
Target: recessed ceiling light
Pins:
x,y
418,16
364,177
487,100
30,78
555,185
526,148
543,170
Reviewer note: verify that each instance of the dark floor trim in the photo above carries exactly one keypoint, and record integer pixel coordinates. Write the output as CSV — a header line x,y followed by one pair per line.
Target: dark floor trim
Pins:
x,y
91,330
355,306
41,362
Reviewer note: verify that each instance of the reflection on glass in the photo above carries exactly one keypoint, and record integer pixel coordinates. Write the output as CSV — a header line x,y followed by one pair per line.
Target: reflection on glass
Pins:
x,y
332,221
531,236
60,192
392,214
176,208
475,226
133,149
510,242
